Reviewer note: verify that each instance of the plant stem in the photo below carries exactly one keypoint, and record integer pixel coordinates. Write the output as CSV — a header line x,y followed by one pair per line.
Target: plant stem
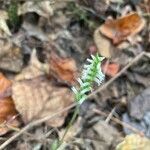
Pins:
x,y
70,124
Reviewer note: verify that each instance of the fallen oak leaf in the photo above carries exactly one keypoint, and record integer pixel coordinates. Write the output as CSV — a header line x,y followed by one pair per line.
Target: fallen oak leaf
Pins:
x,y
63,69
7,107
120,29
47,98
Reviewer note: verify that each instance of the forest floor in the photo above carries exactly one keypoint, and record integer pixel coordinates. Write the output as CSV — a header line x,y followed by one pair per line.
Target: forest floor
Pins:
x,y
43,48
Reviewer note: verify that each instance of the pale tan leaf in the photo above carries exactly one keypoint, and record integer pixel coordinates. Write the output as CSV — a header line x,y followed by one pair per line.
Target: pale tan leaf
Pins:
x,y
42,8
134,142
34,69
37,98
3,24
103,44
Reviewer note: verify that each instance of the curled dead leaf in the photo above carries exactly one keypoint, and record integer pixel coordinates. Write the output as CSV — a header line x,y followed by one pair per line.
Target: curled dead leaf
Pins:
x,y
120,29
7,108
63,69
47,98
103,44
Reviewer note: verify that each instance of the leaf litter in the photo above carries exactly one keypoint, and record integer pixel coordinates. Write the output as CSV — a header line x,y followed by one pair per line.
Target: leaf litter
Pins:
x,y
44,57
8,112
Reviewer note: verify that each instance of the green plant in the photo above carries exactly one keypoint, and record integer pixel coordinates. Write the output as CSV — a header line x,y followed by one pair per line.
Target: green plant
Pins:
x,y
91,73
81,14
13,14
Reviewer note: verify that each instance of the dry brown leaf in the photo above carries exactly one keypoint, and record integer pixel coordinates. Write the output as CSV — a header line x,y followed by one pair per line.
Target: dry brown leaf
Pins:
x,y
120,29
34,69
103,44
107,136
7,108
5,46
38,98
63,69
7,115
111,69
11,59
35,31
42,8
5,85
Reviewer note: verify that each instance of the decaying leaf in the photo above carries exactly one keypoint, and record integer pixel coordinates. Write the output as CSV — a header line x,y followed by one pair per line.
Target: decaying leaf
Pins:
x,y
42,8
37,98
3,24
7,115
134,142
107,136
7,108
139,105
10,56
98,6
63,69
5,46
111,69
122,28
5,85
35,31
34,69
12,60
103,44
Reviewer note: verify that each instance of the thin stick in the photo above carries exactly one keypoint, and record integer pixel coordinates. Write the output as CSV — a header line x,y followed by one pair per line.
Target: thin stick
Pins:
x,y
32,124
39,121
119,122
137,58
69,125
110,115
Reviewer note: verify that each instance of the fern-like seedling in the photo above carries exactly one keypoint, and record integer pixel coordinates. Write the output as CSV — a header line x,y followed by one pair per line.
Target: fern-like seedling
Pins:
x,y
91,73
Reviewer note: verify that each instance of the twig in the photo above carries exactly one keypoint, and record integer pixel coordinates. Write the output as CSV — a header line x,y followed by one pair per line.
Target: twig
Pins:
x,y
110,115
39,121
104,86
32,124
119,122
69,125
